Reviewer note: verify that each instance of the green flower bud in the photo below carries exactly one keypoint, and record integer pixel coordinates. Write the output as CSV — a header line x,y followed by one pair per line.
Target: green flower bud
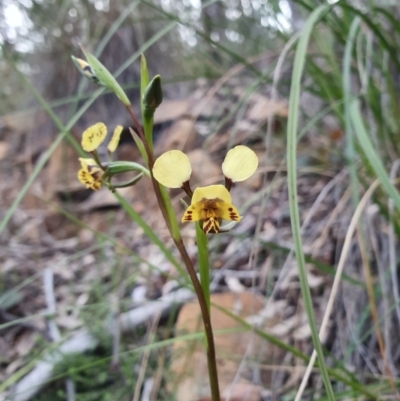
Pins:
x,y
153,95
105,78
86,70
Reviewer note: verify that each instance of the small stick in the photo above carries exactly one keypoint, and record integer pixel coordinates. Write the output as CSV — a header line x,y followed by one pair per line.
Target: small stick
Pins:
x,y
54,332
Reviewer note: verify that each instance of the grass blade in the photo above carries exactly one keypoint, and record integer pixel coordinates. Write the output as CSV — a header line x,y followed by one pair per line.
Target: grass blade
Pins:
x,y
371,154
294,101
151,235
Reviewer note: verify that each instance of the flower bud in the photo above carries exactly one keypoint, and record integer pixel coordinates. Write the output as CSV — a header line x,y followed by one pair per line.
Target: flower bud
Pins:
x,y
105,78
86,70
153,95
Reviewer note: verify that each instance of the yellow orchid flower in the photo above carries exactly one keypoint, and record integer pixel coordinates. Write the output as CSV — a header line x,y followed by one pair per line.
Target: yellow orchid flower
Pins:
x,y
90,174
91,170
211,204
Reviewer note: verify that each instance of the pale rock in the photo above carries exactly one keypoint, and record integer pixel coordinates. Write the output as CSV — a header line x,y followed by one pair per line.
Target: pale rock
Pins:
x,y
189,377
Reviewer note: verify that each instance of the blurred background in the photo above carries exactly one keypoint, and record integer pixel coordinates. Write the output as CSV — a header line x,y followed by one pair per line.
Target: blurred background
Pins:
x,y
74,268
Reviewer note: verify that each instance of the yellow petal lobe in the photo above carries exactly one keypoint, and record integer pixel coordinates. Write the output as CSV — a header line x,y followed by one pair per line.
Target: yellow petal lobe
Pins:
x,y
240,163
89,165
172,169
211,192
93,137
193,212
227,211
112,145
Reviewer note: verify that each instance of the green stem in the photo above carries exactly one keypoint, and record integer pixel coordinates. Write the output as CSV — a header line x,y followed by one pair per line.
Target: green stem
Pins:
x,y
204,268
169,217
148,127
211,356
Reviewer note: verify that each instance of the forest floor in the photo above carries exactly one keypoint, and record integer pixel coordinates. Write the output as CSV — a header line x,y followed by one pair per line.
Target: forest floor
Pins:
x,y
71,260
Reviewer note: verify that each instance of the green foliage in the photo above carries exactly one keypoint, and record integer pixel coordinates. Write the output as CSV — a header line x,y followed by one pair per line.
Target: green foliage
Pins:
x,y
93,377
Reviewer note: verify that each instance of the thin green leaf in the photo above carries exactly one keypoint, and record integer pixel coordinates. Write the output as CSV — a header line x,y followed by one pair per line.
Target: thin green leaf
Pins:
x,y
146,119
294,106
371,154
139,145
144,79
151,234
176,233
346,85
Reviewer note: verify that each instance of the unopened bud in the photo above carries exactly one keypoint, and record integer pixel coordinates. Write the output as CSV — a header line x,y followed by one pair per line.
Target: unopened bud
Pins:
x,y
86,70
104,77
153,95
